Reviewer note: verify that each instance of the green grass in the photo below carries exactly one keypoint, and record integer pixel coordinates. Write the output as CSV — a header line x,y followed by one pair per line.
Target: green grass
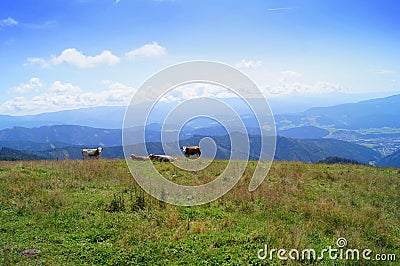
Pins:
x,y
93,213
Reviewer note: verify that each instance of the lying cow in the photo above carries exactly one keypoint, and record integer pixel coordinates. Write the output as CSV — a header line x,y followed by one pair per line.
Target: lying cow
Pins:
x,y
161,158
96,153
139,158
191,150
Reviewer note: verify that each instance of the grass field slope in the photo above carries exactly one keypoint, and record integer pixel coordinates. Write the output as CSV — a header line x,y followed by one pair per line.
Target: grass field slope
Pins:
x,y
93,213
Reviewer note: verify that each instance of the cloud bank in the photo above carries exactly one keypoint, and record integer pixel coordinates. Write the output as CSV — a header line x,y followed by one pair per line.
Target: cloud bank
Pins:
x,y
74,57
24,88
63,95
249,64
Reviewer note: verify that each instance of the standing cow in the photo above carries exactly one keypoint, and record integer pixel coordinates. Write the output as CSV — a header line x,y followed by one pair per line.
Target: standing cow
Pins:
x,y
95,153
191,150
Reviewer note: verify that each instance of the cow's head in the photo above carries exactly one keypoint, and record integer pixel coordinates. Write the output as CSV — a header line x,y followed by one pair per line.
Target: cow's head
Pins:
x,y
183,148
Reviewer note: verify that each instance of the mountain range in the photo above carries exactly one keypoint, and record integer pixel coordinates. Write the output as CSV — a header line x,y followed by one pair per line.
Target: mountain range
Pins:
x,y
372,127
371,113
374,113
288,149
392,160
103,117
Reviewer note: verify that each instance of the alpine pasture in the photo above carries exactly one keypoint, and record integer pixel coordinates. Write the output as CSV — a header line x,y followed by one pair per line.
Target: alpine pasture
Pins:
x,y
93,213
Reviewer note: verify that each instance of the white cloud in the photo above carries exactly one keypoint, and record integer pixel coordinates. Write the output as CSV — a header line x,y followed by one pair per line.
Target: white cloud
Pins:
x,y
61,88
39,26
36,60
148,50
384,71
283,87
195,90
291,82
290,74
63,96
24,88
280,8
294,88
8,22
249,64
76,58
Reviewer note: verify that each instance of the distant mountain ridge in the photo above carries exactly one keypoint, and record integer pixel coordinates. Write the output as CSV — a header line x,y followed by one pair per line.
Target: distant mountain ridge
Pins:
x,y
287,149
304,132
374,113
300,150
314,150
7,154
349,122
72,134
392,160
32,146
99,117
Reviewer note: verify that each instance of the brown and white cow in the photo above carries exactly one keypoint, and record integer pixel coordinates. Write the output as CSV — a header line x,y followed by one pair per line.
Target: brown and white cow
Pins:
x,y
161,158
95,153
191,150
139,158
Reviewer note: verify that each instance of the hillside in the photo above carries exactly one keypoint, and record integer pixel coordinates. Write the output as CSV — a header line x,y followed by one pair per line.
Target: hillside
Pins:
x,y
372,123
66,142
99,117
93,213
287,149
7,154
72,134
305,132
375,113
58,136
346,150
338,160
319,149
392,160
33,146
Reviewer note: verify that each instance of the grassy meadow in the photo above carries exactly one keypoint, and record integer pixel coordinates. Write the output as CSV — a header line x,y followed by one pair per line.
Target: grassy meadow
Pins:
x,y
93,213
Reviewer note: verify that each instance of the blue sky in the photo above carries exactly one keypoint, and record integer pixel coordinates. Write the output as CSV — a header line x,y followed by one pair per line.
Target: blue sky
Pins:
x,y
79,53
